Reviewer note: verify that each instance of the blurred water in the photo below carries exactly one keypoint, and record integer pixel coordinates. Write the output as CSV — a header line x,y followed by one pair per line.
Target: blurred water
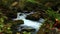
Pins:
x,y
34,24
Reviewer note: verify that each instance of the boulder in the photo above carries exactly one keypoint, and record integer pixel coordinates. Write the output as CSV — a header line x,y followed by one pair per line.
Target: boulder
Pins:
x,y
34,17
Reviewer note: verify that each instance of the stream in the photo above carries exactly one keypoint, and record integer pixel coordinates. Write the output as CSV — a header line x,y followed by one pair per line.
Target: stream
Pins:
x,y
29,23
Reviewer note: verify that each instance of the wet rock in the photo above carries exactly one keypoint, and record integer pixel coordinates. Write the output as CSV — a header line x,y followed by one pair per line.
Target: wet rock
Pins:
x,y
43,14
28,30
18,22
15,25
34,17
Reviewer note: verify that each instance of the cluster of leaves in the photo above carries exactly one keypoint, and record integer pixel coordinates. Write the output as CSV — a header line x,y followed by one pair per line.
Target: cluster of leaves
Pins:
x,y
24,3
4,27
50,21
7,25
53,15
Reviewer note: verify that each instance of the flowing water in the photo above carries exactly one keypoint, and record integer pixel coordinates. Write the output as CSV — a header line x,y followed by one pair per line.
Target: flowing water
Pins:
x,y
29,23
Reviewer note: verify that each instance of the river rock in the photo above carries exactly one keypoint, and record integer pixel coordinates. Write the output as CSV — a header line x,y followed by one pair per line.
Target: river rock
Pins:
x,y
34,17
28,30
15,25
18,22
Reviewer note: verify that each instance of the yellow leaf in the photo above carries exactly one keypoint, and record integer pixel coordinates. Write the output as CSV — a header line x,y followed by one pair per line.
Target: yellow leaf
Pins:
x,y
14,4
